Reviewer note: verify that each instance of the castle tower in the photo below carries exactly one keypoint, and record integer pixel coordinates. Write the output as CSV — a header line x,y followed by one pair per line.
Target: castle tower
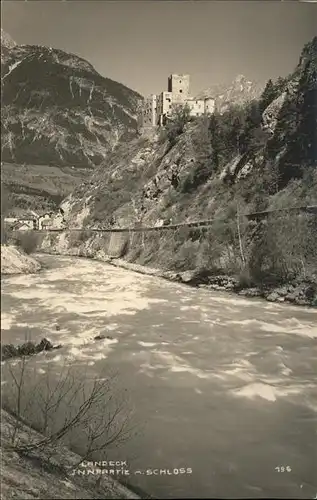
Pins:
x,y
178,85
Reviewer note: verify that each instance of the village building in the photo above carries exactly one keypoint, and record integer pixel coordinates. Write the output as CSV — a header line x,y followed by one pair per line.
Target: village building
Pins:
x,y
43,219
21,223
46,224
35,222
51,220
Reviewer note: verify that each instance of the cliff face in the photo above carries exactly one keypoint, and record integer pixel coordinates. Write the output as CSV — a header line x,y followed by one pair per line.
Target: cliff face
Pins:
x,y
294,143
57,110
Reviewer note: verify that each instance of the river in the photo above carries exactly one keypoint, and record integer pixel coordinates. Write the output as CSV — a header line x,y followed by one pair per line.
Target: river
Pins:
x,y
223,387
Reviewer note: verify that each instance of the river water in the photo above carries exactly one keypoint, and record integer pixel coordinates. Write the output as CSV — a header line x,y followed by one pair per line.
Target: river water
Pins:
x,y
223,388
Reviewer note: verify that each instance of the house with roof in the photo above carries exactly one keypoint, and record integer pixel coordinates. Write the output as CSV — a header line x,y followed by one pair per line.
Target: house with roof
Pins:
x,y
21,224
46,224
44,220
10,221
51,220
24,225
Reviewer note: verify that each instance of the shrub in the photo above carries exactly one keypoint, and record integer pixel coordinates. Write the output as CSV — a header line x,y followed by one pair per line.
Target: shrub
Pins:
x,y
284,248
186,256
175,125
28,241
99,243
5,209
75,238
210,252
244,278
4,232
85,235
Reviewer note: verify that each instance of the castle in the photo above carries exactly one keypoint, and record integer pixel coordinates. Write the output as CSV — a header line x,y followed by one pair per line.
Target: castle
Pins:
x,y
157,108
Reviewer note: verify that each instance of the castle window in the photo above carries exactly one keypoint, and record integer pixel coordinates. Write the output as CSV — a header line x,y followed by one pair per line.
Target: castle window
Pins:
x,y
180,91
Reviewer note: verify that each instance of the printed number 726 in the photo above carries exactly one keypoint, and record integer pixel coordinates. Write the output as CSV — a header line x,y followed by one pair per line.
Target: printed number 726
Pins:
x,y
283,468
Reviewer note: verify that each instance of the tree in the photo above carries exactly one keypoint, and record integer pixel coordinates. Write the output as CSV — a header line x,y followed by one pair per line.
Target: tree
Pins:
x,y
215,140
176,123
5,208
28,241
5,201
268,95
252,136
271,178
237,124
64,406
280,85
203,164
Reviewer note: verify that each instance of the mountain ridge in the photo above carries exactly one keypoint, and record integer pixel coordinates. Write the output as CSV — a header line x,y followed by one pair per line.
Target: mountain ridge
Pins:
x,y
240,90
57,112
56,108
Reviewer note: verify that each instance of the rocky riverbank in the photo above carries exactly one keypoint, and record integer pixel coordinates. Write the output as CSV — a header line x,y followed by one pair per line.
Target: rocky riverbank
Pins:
x,y
15,261
303,293
298,292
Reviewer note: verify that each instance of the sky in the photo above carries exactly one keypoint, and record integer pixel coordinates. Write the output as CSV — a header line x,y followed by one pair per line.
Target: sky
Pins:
x,y
140,43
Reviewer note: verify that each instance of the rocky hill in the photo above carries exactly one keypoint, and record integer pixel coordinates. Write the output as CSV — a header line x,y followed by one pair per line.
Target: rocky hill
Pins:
x,y
261,156
234,149
240,92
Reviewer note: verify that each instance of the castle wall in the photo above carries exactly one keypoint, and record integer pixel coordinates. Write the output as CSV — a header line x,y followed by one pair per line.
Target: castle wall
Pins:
x,y
210,105
164,104
149,111
167,102
196,106
159,108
